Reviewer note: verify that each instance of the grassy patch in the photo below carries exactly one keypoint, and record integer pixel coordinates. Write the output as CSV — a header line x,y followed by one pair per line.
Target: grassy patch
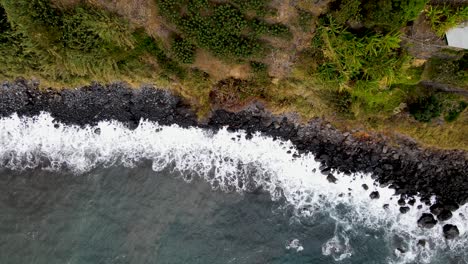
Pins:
x,y
80,43
443,18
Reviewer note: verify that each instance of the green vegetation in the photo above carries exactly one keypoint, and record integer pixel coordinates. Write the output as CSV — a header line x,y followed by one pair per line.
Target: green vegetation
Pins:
x,y
347,57
347,64
443,18
183,50
80,43
426,108
449,71
385,15
224,29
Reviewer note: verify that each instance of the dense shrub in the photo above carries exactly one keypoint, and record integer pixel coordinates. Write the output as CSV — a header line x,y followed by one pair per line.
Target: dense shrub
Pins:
x,y
221,28
426,108
183,50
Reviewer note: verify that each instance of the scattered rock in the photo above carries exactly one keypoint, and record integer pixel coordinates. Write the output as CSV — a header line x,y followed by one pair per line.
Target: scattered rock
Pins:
x,y
374,195
401,202
427,221
450,231
365,187
401,250
331,178
404,209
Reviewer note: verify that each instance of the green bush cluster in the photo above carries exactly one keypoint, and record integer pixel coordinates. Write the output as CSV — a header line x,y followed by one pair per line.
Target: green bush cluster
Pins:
x,y
426,108
223,29
260,27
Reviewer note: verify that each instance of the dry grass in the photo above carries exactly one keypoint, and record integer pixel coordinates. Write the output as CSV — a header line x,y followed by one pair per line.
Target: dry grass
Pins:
x,y
141,13
219,69
315,7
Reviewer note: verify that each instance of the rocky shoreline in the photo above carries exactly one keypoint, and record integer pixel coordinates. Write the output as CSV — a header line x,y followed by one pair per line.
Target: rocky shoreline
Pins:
x,y
406,167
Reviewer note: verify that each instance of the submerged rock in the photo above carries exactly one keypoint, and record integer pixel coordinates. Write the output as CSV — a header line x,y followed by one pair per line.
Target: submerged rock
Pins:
x,y
450,231
422,242
427,221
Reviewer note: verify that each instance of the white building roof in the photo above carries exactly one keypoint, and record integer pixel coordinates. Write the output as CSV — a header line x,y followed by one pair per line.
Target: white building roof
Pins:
x,y
458,36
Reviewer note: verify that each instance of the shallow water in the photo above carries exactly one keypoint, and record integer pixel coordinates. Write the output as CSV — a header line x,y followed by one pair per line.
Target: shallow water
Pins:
x,y
157,194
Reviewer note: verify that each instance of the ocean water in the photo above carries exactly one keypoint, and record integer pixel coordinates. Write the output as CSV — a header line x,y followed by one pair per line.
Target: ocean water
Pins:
x,y
164,194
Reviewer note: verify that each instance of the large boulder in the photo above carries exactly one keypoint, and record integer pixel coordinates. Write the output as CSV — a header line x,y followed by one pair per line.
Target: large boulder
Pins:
x,y
450,231
444,215
436,208
427,221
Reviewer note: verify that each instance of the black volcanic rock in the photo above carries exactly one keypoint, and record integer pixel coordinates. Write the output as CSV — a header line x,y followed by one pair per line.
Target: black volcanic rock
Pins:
x,y
331,178
427,221
404,209
374,195
450,231
401,202
442,173
436,208
444,215
422,242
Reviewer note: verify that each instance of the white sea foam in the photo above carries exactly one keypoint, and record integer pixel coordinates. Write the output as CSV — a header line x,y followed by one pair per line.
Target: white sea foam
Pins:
x,y
226,160
295,244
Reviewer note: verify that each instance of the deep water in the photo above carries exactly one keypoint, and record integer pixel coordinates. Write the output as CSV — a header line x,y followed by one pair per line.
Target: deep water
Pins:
x,y
121,215
161,194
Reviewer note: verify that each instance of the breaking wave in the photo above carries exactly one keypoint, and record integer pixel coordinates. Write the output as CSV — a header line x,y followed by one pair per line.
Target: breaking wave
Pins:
x,y
230,162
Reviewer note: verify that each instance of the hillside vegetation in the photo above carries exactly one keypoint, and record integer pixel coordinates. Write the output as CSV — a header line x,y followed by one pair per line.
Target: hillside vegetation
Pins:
x,y
344,60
